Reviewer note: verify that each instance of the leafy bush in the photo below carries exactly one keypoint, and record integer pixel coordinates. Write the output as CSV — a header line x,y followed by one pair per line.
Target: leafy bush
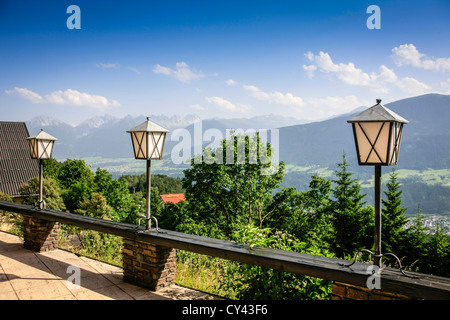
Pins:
x,y
10,221
254,282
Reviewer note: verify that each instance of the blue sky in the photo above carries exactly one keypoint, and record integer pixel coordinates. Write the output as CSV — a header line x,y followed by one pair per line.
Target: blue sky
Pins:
x,y
304,59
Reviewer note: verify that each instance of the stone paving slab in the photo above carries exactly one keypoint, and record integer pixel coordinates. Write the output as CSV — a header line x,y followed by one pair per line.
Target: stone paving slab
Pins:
x,y
27,275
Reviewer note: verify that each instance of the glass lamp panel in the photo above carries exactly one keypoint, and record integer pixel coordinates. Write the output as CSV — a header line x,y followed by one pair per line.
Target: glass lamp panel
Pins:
x,y
152,144
156,148
372,139
395,139
45,148
382,143
364,146
139,139
33,149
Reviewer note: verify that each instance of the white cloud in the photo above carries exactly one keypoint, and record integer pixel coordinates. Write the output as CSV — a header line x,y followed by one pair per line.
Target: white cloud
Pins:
x,y
197,107
116,66
134,70
25,93
413,86
348,72
446,85
310,70
107,65
275,97
67,97
329,106
407,54
379,82
231,82
183,73
226,105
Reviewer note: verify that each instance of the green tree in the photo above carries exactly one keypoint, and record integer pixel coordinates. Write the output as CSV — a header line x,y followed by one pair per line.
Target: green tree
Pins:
x,y
51,193
165,184
117,195
51,168
393,218
96,207
304,215
413,249
77,181
352,223
73,171
233,184
438,249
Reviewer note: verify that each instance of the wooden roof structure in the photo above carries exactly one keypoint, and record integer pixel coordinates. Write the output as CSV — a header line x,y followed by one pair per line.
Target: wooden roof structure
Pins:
x,y
16,164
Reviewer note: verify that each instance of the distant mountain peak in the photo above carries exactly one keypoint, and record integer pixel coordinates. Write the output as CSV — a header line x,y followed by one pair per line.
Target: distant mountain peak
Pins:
x,y
98,121
43,121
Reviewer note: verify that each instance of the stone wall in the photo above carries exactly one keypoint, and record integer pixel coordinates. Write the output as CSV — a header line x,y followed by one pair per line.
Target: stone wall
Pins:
x,y
40,235
148,265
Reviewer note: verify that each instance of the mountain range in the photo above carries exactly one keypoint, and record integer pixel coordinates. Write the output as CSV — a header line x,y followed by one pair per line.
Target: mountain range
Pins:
x,y
101,136
425,141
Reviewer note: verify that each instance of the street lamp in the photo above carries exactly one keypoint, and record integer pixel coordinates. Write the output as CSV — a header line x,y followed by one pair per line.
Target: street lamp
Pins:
x,y
41,147
377,132
148,143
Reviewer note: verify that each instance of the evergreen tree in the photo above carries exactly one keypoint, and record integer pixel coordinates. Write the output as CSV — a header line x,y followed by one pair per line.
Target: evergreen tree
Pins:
x,y
96,207
414,248
394,220
51,193
438,252
304,215
353,224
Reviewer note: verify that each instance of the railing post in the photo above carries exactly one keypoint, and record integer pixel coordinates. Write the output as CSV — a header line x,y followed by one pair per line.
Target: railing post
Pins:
x,y
148,265
39,234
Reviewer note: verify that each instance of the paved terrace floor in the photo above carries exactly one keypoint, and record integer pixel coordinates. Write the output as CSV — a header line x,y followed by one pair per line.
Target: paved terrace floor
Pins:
x,y
27,275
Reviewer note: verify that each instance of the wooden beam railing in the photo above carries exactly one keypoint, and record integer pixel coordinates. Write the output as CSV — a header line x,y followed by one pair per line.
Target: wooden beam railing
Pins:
x,y
423,287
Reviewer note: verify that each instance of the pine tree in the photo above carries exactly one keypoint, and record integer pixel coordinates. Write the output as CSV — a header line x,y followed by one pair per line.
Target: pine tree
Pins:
x,y
438,252
413,248
353,224
394,220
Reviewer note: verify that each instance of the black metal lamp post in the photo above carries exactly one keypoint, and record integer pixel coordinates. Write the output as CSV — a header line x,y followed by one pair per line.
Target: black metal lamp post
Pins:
x,y
377,132
148,144
41,147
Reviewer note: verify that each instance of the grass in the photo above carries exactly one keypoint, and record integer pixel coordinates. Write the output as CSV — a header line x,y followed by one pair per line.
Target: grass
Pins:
x,y
429,176
201,272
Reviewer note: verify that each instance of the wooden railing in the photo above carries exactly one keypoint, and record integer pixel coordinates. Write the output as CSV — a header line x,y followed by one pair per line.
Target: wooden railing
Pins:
x,y
392,280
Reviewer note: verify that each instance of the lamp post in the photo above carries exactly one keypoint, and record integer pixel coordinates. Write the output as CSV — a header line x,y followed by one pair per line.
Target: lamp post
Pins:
x,y
148,144
377,132
41,147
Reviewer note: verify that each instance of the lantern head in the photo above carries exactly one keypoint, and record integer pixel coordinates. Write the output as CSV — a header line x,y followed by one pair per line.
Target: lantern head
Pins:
x,y
41,145
148,140
377,132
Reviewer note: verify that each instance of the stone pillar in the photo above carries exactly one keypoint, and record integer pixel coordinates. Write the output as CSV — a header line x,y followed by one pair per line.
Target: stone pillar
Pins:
x,y
148,265
40,235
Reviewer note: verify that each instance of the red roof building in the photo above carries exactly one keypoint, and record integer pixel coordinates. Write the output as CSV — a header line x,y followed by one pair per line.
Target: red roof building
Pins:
x,y
172,198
